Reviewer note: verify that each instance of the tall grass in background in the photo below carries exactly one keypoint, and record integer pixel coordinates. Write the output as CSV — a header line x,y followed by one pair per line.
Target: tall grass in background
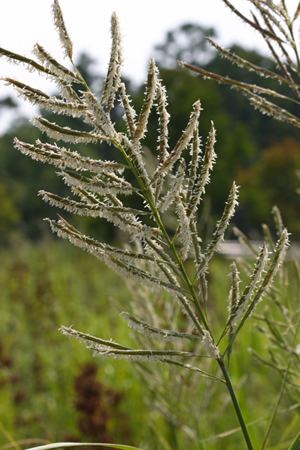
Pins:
x,y
165,261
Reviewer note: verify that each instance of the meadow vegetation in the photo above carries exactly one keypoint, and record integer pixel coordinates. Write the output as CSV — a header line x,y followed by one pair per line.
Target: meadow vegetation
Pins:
x,y
44,288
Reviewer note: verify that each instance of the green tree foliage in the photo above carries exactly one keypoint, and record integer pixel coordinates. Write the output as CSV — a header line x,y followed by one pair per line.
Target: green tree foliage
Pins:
x,y
273,180
187,42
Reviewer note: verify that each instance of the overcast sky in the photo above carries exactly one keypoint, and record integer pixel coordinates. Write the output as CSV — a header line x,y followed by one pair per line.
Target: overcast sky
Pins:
x,y
143,24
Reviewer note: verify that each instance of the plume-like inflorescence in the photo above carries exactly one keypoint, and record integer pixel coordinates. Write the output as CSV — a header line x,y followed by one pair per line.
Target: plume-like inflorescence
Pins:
x,y
279,27
109,348
113,79
62,31
170,193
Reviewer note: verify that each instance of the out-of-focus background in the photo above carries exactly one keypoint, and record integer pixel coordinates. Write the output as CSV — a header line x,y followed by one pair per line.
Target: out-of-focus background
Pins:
x,y
50,390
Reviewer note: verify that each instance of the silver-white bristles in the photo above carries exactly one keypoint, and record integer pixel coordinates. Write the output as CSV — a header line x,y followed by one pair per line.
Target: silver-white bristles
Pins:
x,y
68,134
163,118
129,111
181,144
271,271
222,224
108,348
255,279
184,236
121,217
62,31
56,105
62,72
142,121
98,185
197,188
113,78
97,116
63,158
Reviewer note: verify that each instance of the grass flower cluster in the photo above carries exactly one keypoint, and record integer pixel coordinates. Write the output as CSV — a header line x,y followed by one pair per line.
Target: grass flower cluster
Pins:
x,y
279,27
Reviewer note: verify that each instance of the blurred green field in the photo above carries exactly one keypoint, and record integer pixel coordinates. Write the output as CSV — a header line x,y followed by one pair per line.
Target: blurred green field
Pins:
x,y
43,287
46,380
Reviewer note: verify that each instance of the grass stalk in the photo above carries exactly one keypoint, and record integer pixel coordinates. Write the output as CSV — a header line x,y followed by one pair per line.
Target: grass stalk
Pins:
x,y
235,404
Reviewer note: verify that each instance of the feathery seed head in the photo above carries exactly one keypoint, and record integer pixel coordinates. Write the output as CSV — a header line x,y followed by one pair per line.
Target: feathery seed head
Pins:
x,y
113,78
176,184
61,28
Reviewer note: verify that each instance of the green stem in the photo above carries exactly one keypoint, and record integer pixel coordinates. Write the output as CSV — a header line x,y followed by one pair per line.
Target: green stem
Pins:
x,y
181,266
235,403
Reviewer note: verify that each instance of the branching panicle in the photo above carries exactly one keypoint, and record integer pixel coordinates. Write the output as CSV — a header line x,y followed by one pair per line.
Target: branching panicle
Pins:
x,y
181,144
164,255
279,29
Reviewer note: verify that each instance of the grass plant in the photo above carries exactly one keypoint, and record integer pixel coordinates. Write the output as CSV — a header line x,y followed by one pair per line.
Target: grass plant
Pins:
x,y
157,208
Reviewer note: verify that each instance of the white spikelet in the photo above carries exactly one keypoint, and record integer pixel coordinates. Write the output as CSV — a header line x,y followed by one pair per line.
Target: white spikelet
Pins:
x,y
255,279
67,92
277,220
37,97
134,151
245,64
113,78
128,270
195,152
96,184
62,72
63,158
222,224
163,118
271,271
209,159
62,31
68,134
184,235
112,259
142,122
121,217
97,116
181,144
234,294
30,64
66,231
271,109
129,111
